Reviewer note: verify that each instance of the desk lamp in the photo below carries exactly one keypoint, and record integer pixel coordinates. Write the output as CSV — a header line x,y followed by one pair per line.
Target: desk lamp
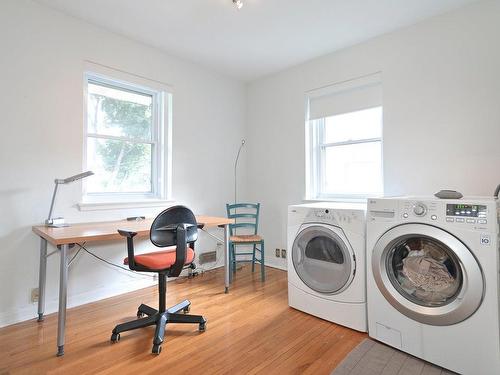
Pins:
x,y
59,221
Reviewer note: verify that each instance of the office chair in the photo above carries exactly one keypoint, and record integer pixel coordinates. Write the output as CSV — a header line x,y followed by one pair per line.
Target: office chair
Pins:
x,y
246,215
175,228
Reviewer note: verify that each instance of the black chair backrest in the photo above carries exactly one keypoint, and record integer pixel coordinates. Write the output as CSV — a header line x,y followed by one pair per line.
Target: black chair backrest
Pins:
x,y
163,230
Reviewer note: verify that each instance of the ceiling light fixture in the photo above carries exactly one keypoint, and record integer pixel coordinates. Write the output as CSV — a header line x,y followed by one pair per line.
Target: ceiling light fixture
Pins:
x,y
238,4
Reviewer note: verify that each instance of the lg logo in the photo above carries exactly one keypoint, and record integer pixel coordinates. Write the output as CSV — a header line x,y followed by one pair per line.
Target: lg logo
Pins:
x,y
485,239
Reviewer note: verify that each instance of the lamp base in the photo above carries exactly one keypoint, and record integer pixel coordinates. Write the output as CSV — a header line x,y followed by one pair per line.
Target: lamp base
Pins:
x,y
56,222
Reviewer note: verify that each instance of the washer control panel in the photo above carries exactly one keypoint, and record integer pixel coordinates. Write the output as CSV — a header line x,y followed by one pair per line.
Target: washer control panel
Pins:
x,y
323,214
335,217
419,209
481,214
475,215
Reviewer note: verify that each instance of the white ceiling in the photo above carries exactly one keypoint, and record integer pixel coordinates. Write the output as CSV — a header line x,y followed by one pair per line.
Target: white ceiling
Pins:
x,y
265,36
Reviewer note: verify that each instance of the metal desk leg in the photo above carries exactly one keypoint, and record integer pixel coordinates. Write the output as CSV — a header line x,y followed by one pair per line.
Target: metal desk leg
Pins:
x,y
63,288
42,278
226,258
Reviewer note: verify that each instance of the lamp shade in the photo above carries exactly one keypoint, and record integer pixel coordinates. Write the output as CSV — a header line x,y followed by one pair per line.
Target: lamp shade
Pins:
x,y
76,177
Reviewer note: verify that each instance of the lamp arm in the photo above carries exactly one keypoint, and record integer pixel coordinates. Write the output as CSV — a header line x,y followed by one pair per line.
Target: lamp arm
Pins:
x,y
52,203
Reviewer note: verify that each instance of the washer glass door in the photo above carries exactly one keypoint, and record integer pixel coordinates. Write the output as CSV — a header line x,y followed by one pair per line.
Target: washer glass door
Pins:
x,y
427,274
424,270
322,259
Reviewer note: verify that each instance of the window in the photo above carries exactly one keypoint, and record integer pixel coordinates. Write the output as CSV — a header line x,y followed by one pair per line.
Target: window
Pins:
x,y
344,140
125,140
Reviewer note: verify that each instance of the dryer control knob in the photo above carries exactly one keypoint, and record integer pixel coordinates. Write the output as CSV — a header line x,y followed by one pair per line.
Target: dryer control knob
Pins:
x,y
419,209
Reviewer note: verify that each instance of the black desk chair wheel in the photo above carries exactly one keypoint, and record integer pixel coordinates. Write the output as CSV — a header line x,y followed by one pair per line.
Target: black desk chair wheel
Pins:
x,y
175,229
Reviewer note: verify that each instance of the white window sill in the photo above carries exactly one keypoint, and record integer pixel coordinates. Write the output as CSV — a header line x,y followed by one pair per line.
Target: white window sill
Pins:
x,y
95,206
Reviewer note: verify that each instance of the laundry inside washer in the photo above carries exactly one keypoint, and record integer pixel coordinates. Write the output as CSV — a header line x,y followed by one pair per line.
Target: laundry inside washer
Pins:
x,y
424,270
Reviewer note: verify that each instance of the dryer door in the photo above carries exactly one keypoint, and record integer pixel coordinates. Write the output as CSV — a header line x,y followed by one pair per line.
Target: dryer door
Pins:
x,y
427,274
323,259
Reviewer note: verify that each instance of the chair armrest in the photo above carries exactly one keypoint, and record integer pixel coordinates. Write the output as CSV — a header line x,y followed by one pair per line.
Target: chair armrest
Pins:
x,y
127,233
130,246
180,251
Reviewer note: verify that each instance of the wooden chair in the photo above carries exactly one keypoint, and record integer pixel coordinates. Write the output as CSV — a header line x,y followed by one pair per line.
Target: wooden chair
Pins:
x,y
246,216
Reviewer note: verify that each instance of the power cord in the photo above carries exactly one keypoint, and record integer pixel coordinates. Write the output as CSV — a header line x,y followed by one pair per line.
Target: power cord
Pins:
x,y
197,271
82,247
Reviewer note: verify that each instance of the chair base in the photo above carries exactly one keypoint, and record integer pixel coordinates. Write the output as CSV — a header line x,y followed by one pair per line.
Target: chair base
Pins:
x,y
148,316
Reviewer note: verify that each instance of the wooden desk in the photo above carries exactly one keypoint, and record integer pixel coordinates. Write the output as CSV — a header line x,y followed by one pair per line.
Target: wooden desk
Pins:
x,y
65,237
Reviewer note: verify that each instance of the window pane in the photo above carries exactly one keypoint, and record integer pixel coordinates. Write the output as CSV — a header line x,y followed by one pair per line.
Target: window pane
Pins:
x,y
353,169
352,126
118,166
119,112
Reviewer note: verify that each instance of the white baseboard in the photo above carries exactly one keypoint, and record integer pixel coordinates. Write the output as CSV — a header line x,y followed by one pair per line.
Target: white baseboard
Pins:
x,y
276,263
31,311
277,266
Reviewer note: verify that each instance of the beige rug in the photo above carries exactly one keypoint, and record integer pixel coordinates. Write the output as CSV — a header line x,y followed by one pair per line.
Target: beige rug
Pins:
x,y
373,358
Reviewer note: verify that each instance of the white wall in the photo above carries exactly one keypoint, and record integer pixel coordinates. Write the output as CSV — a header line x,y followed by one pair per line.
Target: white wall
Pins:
x,y
441,89
41,65
441,129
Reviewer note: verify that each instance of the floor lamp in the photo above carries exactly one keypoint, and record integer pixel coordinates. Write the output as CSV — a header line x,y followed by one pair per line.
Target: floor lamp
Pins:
x,y
235,170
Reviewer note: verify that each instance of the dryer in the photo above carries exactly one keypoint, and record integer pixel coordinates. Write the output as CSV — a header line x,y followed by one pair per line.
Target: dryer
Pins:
x,y
326,262
433,280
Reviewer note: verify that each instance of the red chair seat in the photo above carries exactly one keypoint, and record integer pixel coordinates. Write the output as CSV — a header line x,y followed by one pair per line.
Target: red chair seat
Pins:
x,y
159,260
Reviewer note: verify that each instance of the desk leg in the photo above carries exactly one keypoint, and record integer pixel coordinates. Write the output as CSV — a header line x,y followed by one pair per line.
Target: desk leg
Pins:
x,y
63,289
226,258
42,278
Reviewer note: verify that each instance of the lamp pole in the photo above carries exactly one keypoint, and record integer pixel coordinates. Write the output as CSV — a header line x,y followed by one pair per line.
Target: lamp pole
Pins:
x,y
49,218
235,170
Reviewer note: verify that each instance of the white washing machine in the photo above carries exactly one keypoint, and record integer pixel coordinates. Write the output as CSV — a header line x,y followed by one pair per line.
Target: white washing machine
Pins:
x,y
433,280
326,262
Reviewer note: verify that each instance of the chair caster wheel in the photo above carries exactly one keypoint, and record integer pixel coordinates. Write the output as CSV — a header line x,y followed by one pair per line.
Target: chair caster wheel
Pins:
x,y
202,327
156,349
186,309
115,337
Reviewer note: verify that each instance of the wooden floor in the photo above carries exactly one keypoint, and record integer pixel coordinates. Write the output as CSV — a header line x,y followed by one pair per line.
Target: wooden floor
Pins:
x,y
251,330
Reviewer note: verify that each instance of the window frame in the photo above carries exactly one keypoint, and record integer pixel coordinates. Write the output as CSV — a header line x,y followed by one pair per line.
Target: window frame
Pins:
x,y
160,136
315,159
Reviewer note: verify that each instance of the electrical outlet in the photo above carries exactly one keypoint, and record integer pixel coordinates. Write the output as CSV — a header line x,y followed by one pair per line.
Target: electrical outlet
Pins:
x,y
34,294
278,253
283,253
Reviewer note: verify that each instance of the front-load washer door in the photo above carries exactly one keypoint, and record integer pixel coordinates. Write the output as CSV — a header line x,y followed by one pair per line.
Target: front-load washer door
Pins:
x,y
323,259
427,274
